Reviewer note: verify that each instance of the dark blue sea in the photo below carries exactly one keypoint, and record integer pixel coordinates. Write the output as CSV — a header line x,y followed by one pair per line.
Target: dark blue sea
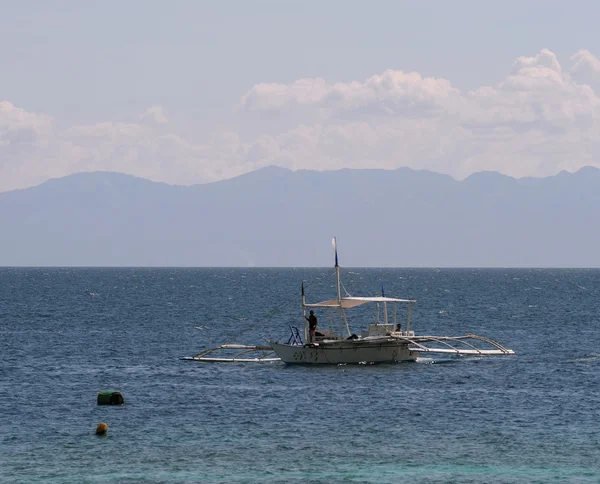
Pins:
x,y
66,334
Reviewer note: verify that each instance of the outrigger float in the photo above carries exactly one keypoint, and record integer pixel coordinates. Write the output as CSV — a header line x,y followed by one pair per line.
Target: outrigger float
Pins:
x,y
382,342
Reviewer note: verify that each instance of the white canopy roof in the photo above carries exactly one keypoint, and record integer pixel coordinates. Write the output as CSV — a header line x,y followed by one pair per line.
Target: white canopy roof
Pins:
x,y
351,302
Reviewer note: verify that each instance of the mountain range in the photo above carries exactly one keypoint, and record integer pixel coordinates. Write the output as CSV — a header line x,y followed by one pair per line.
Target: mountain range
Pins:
x,y
278,217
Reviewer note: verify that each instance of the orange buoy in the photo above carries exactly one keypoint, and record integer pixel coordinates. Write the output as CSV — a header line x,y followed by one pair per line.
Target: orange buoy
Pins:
x,y
101,429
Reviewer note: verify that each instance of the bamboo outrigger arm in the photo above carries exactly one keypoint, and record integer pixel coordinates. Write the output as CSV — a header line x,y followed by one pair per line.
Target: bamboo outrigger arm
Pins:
x,y
449,343
264,354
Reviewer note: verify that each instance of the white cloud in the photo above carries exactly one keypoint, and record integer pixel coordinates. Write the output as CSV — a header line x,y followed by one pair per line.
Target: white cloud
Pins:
x,y
32,150
586,69
544,60
539,119
154,114
24,137
390,93
272,96
583,60
12,117
536,121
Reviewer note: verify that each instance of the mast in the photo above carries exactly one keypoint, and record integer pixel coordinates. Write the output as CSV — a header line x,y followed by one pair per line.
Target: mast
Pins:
x,y
337,273
337,276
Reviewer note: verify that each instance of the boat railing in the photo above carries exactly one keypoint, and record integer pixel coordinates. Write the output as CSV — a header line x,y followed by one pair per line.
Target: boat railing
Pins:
x,y
295,337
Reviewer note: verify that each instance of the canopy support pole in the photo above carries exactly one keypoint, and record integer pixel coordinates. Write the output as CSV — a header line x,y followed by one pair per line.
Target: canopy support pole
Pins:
x,y
304,314
347,326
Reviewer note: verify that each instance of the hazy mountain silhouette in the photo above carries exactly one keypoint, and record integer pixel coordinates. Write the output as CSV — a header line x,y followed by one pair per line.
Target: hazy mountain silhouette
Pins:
x,y
276,217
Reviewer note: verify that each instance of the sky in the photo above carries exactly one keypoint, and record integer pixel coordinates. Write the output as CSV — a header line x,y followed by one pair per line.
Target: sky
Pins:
x,y
192,92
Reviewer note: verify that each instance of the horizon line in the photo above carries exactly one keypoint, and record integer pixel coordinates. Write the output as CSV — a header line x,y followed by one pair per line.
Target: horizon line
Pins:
x,y
296,267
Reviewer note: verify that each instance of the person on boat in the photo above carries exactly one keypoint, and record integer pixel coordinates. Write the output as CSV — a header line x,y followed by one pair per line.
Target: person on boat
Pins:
x,y
312,325
398,327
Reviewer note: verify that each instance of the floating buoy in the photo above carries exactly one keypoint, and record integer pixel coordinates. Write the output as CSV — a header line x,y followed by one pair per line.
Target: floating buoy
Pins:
x,y
110,397
101,429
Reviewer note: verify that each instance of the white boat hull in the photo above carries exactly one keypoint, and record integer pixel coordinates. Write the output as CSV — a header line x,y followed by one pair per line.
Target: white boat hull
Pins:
x,y
345,352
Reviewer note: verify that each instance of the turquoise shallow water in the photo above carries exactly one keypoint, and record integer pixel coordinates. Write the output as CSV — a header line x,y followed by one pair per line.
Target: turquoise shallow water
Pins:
x,y
67,333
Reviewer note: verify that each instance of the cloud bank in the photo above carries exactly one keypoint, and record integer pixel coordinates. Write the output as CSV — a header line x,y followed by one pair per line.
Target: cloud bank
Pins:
x,y
538,120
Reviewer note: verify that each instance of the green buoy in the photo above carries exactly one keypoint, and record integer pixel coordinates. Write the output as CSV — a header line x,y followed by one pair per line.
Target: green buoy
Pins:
x,y
110,397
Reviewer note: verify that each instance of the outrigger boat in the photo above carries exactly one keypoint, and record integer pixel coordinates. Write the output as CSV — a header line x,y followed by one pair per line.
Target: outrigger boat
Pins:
x,y
382,342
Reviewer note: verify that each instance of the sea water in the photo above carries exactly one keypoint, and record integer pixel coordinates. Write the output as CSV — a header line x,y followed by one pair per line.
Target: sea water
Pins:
x,y
66,334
